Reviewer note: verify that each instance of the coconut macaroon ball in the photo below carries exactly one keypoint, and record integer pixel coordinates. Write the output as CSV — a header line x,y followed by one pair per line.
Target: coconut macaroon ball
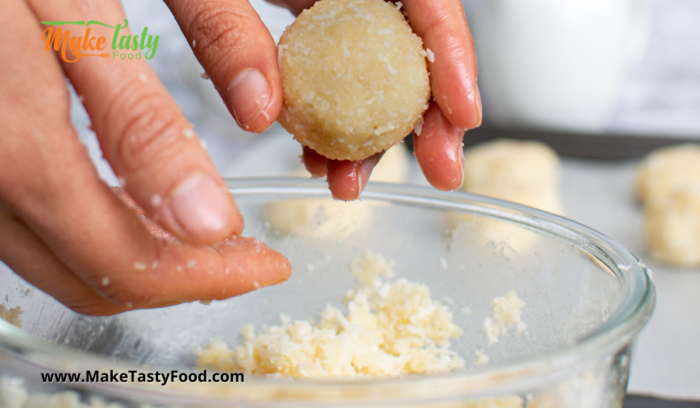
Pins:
x,y
329,219
525,172
672,226
668,184
667,171
354,77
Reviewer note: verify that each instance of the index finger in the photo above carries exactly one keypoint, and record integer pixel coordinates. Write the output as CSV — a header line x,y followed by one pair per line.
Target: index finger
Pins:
x,y
443,27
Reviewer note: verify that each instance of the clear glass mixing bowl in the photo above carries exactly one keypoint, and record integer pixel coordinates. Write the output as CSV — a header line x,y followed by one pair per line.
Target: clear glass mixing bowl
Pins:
x,y
586,299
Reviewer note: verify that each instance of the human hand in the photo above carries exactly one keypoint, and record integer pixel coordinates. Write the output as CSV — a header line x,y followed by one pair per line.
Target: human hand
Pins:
x,y
240,56
64,230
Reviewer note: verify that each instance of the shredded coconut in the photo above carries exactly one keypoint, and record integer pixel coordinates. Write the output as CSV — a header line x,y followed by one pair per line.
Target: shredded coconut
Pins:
x,y
357,10
11,315
481,358
14,394
391,328
430,55
188,133
156,200
505,314
419,127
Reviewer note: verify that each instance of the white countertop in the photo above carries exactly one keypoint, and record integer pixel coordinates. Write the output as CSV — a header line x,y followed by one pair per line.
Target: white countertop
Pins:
x,y
667,357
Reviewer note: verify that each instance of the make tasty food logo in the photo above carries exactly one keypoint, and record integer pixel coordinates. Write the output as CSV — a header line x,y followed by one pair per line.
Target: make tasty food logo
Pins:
x,y
72,47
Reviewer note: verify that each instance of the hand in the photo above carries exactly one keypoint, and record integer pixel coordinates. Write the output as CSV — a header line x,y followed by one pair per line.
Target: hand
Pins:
x,y
240,56
62,228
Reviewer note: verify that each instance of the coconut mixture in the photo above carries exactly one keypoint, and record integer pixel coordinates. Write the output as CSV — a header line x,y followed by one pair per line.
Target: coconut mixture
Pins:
x,y
11,315
506,314
525,172
668,185
354,77
329,219
392,327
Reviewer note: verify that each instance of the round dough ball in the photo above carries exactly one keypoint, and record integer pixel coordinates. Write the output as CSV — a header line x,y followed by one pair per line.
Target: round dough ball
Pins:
x,y
673,228
318,218
667,171
354,77
329,219
393,167
481,231
525,172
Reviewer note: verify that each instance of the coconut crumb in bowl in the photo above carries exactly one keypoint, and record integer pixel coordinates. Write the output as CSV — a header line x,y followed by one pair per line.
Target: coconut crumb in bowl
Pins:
x,y
392,328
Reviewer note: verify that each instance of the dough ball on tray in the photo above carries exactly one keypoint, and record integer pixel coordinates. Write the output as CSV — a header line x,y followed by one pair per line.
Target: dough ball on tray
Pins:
x,y
672,227
668,184
668,170
524,172
329,219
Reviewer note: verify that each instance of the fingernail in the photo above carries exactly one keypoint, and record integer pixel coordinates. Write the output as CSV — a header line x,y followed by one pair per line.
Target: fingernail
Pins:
x,y
358,174
460,160
200,206
478,107
363,174
365,171
248,94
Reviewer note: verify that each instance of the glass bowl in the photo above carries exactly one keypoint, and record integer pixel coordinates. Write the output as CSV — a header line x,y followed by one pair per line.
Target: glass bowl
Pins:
x,y
586,298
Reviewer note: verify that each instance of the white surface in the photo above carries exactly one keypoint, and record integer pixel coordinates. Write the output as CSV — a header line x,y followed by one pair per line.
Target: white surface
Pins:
x,y
667,356
599,195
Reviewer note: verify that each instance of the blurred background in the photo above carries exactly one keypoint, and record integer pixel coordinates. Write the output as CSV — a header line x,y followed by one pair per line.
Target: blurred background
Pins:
x,y
603,82
624,71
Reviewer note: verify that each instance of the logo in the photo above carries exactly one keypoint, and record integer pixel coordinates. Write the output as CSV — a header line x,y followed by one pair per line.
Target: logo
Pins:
x,y
72,48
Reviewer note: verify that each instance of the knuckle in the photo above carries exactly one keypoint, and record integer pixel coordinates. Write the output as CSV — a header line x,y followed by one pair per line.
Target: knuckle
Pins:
x,y
149,131
217,29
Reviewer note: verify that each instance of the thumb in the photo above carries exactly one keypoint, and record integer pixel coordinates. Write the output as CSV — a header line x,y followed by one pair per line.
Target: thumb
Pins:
x,y
239,55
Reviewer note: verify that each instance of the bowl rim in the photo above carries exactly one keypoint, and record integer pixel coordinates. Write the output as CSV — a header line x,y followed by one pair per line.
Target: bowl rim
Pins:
x,y
613,335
